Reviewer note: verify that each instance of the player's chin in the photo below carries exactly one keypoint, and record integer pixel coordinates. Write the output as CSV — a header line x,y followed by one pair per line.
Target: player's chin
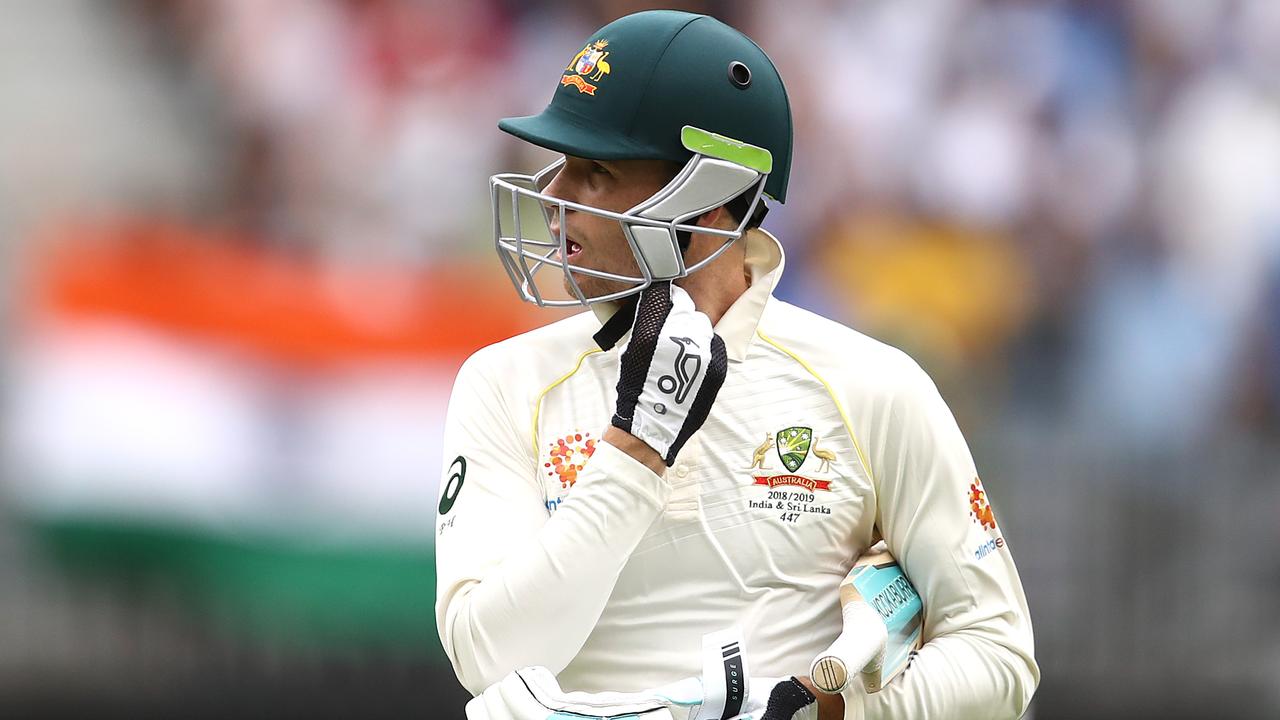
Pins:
x,y
592,286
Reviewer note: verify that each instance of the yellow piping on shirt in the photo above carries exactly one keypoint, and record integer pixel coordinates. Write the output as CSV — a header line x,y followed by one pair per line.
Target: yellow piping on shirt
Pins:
x,y
537,406
848,426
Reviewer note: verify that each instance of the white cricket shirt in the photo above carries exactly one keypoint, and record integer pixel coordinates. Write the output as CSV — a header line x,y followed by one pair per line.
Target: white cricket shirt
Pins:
x,y
553,548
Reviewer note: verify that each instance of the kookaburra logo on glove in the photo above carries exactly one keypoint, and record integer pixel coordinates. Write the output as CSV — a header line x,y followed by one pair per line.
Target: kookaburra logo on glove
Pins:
x,y
669,372
687,367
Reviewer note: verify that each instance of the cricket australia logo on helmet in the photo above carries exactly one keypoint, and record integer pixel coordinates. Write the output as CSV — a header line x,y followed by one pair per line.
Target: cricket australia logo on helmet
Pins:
x,y
589,64
687,366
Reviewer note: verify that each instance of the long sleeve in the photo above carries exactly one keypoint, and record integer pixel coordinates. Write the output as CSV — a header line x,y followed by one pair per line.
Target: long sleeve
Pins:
x,y
516,587
977,661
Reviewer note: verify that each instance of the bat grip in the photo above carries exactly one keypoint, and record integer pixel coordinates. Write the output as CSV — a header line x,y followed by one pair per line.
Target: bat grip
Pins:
x,y
858,648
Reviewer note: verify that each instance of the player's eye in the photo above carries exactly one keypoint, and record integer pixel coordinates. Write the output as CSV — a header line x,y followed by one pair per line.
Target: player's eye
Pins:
x,y
598,175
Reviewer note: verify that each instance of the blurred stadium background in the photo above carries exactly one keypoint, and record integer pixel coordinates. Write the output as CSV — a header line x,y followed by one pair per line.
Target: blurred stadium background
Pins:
x,y
245,247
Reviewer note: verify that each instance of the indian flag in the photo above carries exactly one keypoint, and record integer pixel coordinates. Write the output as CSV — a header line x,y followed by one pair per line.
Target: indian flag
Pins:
x,y
260,432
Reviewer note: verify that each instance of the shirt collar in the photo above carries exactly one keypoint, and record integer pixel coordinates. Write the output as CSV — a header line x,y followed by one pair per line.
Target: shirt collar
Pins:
x,y
764,260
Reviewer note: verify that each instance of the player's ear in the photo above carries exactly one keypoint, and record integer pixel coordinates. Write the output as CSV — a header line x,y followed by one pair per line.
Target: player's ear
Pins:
x,y
711,217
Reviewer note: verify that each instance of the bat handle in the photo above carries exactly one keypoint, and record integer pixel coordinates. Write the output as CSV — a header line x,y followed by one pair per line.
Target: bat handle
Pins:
x,y
858,648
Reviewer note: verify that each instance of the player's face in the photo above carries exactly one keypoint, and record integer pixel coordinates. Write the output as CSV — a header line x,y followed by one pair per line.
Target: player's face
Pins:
x,y
597,242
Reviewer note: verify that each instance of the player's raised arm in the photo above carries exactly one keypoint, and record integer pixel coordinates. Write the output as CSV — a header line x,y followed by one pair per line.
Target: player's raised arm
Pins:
x,y
516,587
977,661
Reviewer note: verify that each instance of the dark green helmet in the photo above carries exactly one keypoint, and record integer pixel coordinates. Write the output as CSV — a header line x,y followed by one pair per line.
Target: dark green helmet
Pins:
x,y
640,80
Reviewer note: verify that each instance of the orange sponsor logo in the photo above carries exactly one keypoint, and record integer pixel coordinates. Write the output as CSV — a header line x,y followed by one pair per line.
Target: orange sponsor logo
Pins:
x,y
979,507
569,456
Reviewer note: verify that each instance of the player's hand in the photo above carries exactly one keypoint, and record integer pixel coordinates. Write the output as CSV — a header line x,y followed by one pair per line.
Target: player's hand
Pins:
x,y
670,371
534,694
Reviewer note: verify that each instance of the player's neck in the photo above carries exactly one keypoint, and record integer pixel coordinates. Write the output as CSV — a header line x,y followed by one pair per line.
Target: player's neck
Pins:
x,y
717,286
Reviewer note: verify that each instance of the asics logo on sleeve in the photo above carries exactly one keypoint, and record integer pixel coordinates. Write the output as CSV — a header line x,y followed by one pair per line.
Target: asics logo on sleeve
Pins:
x,y
687,366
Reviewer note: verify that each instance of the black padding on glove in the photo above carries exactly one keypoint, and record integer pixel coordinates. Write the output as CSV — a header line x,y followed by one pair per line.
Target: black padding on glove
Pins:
x,y
651,312
786,699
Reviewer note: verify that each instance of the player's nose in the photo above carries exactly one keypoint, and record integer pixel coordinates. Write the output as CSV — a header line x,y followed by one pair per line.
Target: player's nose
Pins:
x,y
556,219
560,189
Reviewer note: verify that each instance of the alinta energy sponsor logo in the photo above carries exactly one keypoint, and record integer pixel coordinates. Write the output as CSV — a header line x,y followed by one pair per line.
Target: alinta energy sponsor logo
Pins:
x,y
567,456
982,514
587,65
794,446
988,547
979,507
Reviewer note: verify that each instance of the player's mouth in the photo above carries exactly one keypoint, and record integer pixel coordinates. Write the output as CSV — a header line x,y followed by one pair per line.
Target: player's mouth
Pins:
x,y
572,248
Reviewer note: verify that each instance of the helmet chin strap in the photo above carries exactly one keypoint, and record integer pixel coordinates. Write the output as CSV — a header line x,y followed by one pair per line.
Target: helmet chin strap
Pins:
x,y
618,324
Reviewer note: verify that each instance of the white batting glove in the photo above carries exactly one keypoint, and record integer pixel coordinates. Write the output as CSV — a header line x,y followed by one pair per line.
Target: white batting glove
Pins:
x,y
724,692
670,370
534,694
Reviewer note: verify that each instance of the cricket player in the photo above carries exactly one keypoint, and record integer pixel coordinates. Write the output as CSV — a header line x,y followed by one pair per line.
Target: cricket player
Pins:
x,y
695,454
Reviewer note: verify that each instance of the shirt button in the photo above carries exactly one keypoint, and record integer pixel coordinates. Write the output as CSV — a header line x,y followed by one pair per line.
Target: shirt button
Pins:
x,y
682,470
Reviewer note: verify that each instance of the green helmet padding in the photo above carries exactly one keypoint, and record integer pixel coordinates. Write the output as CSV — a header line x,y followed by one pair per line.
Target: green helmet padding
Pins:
x,y
637,82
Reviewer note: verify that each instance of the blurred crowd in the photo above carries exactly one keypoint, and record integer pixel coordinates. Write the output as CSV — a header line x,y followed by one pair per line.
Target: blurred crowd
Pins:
x,y
1068,210
1079,201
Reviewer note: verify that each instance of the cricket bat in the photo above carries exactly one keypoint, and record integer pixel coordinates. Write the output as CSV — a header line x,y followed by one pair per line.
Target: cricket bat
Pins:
x,y
883,620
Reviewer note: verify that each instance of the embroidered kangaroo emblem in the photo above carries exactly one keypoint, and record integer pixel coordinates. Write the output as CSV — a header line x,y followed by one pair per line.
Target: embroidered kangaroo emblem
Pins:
x,y
762,452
